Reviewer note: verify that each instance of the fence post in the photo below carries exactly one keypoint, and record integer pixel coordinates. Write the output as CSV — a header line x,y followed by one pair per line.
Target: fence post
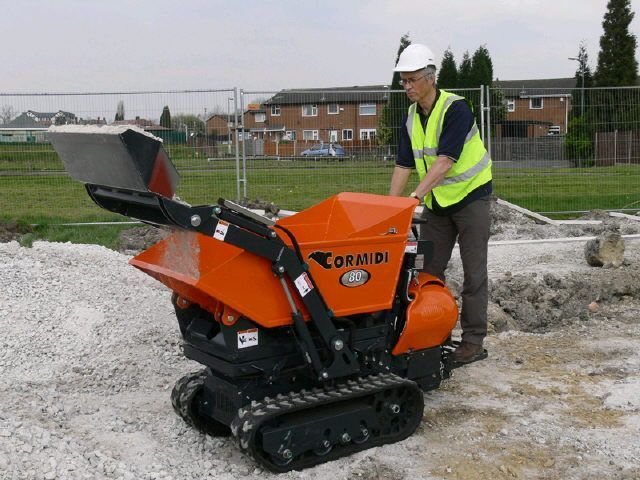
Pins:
x,y
482,134
243,179
488,120
615,147
238,129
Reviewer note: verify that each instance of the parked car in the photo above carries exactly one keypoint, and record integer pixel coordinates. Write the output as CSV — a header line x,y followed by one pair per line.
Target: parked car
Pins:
x,y
324,150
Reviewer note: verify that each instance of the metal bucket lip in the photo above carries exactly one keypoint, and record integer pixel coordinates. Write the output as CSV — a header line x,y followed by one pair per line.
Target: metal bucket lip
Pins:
x,y
101,129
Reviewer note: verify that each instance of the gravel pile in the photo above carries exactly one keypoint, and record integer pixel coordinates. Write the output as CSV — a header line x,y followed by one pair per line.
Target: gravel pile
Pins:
x,y
90,349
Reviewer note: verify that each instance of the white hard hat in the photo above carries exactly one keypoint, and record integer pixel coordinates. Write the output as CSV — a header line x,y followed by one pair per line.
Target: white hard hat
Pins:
x,y
415,57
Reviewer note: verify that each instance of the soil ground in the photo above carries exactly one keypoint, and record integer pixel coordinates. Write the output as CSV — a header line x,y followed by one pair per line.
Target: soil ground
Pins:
x,y
89,351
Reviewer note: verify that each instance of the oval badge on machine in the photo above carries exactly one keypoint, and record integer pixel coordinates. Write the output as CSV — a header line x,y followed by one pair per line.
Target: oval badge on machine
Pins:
x,y
355,278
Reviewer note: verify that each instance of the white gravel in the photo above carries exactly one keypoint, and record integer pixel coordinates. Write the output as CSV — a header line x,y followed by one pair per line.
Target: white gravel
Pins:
x,y
90,348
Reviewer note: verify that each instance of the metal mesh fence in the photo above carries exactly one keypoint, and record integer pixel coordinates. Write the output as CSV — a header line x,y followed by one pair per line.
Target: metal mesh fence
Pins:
x,y
560,149
554,150
35,186
302,146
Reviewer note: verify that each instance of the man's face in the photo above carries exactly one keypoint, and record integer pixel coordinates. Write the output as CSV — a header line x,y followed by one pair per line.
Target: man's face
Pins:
x,y
417,85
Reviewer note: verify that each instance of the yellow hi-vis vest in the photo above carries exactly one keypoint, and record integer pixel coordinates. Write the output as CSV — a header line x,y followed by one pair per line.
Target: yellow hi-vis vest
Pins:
x,y
472,169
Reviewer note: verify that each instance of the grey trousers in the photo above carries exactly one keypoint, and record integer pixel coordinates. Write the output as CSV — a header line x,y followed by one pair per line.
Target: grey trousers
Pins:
x,y
471,227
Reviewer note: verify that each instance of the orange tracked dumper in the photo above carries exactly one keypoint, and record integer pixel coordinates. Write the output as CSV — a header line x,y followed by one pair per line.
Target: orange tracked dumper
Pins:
x,y
317,332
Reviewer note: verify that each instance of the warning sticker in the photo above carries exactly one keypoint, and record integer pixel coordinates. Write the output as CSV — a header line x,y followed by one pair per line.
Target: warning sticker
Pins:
x,y
221,230
248,338
412,247
303,284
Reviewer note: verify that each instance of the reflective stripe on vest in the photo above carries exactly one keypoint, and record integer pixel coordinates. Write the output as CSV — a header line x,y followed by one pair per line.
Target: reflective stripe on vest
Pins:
x,y
447,103
469,173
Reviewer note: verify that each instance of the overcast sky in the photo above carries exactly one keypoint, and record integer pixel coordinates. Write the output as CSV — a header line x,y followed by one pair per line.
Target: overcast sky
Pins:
x,y
115,45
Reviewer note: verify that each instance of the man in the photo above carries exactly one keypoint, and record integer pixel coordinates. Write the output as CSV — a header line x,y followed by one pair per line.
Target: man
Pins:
x,y
441,141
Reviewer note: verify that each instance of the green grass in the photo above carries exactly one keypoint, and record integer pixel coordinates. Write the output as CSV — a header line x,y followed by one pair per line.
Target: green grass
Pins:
x,y
552,190
105,235
28,158
35,190
299,184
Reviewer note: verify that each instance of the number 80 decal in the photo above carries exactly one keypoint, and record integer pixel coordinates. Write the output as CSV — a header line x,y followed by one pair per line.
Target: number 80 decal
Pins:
x,y
355,278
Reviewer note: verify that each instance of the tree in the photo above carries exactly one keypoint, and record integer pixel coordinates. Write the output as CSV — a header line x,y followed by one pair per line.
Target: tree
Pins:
x,y
165,118
7,113
119,111
464,72
498,107
583,69
448,75
617,65
188,124
384,132
481,71
397,105
579,141
578,144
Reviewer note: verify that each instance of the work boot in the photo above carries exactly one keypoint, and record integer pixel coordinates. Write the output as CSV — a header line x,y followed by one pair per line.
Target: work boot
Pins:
x,y
468,352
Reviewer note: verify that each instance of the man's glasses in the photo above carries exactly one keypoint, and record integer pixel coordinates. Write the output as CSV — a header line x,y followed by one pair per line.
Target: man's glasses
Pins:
x,y
411,81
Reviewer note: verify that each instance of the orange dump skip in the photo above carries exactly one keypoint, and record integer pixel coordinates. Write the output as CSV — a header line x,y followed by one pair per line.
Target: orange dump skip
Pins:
x,y
353,243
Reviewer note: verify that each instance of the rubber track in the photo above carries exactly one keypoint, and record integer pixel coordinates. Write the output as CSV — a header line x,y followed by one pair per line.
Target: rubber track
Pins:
x,y
182,400
250,419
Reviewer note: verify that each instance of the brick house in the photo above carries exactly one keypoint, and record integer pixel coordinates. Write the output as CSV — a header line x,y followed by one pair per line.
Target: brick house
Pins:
x,y
323,115
292,120
535,107
220,127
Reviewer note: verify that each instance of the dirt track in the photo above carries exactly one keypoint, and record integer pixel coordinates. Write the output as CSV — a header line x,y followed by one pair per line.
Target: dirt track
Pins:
x,y
89,350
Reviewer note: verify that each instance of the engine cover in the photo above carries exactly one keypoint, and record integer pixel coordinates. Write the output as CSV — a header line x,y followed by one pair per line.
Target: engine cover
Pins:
x,y
430,317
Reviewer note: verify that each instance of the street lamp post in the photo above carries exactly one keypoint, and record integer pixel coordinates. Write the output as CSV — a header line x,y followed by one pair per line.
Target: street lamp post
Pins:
x,y
577,59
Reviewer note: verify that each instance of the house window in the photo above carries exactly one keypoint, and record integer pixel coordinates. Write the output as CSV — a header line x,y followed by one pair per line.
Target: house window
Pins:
x,y
290,135
275,110
261,117
511,105
367,109
333,109
347,134
535,103
310,110
310,135
367,133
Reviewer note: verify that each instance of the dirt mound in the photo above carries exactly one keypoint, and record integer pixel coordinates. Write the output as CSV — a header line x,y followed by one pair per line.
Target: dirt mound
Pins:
x,y
533,303
501,214
11,230
596,215
270,209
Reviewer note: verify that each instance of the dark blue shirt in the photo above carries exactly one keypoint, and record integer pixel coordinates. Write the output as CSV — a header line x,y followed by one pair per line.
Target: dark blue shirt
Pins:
x,y
458,121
